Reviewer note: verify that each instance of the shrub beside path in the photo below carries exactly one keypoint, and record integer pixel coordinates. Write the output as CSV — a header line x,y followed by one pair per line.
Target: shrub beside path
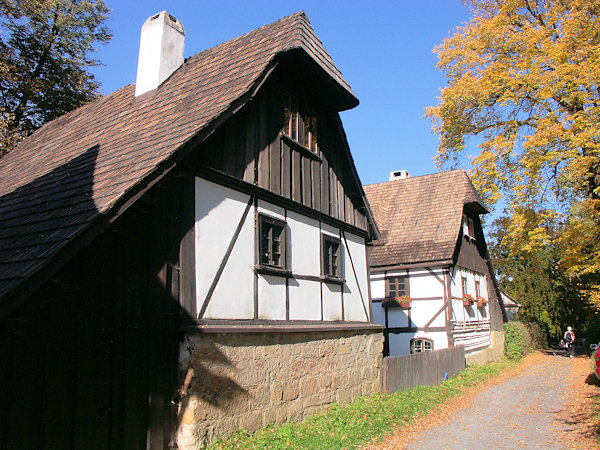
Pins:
x,y
543,403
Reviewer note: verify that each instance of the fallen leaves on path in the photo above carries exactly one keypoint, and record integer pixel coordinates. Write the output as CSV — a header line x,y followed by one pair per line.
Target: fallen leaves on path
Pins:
x,y
578,413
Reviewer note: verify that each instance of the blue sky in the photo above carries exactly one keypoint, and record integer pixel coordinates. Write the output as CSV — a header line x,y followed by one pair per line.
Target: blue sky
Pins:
x,y
383,48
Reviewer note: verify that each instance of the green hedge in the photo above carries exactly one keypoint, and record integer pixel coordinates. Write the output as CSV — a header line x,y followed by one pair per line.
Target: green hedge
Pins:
x,y
517,340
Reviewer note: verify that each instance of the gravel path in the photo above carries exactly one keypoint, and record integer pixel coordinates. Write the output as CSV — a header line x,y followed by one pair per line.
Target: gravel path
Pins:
x,y
526,411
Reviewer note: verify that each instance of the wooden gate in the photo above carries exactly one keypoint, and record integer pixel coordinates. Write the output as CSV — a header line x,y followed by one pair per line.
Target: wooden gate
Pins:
x,y
421,369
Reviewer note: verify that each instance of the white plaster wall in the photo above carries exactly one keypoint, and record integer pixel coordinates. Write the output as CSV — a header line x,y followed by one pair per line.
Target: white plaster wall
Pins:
x,y
218,212
455,286
305,245
397,317
356,291
271,210
397,273
271,297
378,314
305,299
377,288
422,311
332,302
328,229
458,311
424,285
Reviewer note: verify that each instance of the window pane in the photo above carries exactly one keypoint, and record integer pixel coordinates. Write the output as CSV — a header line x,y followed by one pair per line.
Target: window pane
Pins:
x,y
301,130
276,232
331,257
334,259
392,282
306,136
313,133
286,120
401,290
265,243
294,124
328,258
421,345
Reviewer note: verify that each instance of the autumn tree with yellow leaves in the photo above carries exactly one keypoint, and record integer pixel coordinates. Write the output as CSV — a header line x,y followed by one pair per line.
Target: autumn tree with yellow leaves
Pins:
x,y
524,81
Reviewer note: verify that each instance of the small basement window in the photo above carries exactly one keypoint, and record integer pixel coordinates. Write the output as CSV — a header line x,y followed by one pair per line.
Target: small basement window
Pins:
x,y
271,236
420,345
332,263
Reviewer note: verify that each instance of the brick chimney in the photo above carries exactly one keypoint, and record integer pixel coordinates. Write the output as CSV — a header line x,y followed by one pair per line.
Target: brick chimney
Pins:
x,y
399,175
161,51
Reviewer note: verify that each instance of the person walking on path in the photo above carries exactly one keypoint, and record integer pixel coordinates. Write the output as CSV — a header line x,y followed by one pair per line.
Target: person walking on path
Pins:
x,y
570,341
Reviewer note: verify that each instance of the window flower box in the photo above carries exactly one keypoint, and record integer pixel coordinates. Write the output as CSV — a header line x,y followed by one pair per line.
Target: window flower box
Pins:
x,y
481,302
468,300
397,302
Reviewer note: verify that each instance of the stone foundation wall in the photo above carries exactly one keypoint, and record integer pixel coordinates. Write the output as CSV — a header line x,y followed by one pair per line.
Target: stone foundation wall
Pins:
x,y
494,352
248,381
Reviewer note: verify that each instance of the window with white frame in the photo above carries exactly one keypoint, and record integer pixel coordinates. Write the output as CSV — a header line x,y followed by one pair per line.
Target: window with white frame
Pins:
x,y
468,226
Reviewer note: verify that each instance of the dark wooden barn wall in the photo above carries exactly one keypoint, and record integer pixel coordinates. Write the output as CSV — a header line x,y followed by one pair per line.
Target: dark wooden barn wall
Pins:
x,y
251,147
90,361
471,255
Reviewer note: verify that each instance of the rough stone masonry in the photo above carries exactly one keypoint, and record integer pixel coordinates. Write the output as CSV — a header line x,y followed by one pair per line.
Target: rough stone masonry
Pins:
x,y
248,381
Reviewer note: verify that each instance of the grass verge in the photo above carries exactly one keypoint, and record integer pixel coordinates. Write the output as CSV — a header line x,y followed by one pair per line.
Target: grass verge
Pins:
x,y
367,419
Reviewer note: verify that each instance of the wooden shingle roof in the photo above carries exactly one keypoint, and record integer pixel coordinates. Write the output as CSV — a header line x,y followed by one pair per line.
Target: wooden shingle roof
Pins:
x,y
87,166
420,218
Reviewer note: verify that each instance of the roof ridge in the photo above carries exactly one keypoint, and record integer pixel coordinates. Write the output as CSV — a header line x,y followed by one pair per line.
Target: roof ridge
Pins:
x,y
297,15
420,176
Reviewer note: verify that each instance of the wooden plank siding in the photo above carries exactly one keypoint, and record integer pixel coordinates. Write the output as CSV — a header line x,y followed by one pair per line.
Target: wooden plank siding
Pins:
x,y
471,255
252,142
400,373
91,359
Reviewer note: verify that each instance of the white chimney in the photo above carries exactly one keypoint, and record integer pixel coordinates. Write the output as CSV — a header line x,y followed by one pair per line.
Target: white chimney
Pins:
x,y
399,175
161,51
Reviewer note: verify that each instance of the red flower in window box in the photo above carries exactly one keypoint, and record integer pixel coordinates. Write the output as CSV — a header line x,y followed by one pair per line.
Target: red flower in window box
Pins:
x,y
481,302
468,299
397,302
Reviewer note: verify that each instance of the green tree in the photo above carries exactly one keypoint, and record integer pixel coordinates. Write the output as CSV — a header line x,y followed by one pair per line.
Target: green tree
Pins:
x,y
45,52
548,296
524,78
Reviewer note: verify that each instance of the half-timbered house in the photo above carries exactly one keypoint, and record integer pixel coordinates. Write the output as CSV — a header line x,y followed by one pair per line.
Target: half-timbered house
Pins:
x,y
188,255
510,306
432,283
